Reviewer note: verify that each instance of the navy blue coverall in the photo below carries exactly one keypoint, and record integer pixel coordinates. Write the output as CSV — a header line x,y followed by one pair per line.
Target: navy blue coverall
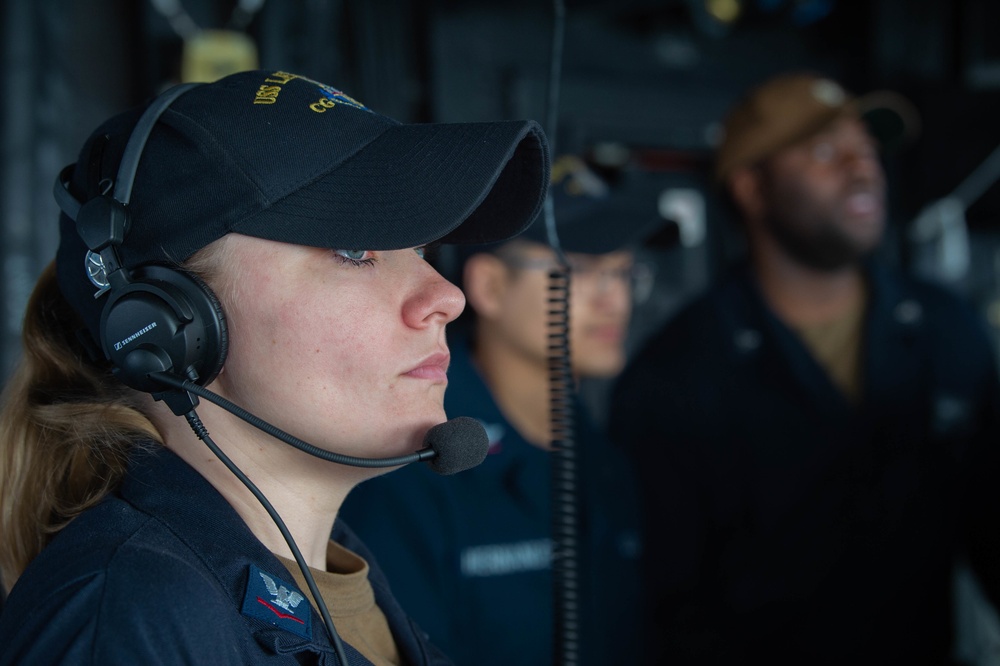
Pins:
x,y
788,525
165,571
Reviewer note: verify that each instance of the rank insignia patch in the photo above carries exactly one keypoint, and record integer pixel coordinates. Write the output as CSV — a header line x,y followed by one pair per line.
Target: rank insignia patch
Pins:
x,y
276,602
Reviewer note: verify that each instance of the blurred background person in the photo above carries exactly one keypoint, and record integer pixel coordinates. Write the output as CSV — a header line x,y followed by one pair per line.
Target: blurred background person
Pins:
x,y
808,431
471,559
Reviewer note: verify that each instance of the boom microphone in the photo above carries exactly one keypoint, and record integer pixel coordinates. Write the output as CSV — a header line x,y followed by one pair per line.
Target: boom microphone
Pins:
x,y
459,444
450,447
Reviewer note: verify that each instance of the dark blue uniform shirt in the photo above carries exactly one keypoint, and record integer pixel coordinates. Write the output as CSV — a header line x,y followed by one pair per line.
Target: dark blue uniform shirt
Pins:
x,y
788,525
165,571
469,555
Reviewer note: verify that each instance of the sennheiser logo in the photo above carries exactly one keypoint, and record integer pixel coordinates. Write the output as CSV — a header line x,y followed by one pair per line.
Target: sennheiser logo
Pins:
x,y
137,334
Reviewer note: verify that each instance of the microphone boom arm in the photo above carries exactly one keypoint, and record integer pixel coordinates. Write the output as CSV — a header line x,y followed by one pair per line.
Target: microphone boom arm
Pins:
x,y
189,386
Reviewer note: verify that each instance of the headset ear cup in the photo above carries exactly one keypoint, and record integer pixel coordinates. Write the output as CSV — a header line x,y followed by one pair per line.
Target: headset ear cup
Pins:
x,y
215,358
164,320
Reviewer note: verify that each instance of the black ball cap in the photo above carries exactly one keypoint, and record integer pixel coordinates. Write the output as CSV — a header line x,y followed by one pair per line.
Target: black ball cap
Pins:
x,y
282,157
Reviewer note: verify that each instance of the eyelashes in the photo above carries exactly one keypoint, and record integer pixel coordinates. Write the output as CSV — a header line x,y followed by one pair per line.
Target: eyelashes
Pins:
x,y
360,258
357,258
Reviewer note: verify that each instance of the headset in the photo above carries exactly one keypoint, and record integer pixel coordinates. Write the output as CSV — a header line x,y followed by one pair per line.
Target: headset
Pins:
x,y
164,331
158,318
162,328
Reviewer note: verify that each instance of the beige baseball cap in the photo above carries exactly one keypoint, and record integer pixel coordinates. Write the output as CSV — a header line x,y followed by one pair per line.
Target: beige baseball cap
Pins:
x,y
792,107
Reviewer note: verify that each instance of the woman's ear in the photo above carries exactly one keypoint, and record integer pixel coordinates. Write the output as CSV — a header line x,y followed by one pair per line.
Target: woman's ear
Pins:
x,y
484,279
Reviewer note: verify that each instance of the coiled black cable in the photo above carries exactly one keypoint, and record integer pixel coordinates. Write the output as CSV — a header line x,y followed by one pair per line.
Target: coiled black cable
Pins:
x,y
565,491
564,487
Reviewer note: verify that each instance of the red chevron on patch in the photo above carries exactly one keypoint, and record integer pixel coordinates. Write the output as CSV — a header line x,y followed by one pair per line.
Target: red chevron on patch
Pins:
x,y
283,616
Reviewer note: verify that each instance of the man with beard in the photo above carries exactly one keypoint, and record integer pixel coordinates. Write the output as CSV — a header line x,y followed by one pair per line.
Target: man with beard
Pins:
x,y
815,435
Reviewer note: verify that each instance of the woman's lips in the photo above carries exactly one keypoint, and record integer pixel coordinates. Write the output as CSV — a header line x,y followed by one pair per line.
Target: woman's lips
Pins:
x,y
434,367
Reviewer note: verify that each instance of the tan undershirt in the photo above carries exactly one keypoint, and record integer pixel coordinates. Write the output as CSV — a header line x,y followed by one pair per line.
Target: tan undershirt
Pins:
x,y
351,601
837,345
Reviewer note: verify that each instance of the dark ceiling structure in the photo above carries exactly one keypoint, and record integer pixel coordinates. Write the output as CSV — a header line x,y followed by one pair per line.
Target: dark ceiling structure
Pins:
x,y
642,87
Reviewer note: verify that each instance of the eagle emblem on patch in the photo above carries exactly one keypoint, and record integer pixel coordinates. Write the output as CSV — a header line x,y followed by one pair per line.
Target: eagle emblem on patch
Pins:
x,y
277,602
287,599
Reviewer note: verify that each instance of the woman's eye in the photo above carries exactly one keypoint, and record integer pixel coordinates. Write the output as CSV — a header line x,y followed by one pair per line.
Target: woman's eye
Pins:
x,y
356,257
421,251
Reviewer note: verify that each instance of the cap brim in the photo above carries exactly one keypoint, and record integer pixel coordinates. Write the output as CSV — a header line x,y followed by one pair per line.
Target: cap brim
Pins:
x,y
605,226
416,184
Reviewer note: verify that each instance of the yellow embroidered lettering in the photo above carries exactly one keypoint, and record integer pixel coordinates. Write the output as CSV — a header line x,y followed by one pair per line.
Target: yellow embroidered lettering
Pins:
x,y
322,105
280,78
267,95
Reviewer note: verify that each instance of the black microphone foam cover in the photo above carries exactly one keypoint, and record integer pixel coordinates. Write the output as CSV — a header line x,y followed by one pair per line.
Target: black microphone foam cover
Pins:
x,y
459,444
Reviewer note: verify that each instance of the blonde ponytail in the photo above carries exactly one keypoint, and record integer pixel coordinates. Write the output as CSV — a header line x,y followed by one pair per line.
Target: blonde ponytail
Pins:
x,y
66,428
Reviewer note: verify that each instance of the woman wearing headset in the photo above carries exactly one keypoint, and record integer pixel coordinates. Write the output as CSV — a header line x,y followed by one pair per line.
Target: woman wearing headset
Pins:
x,y
265,243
